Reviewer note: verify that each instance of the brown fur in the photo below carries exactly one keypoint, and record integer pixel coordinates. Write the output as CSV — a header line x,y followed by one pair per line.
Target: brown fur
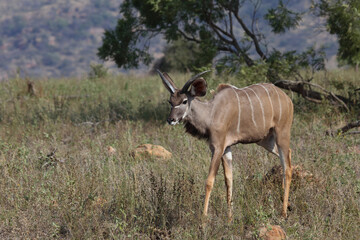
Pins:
x,y
222,86
191,129
199,86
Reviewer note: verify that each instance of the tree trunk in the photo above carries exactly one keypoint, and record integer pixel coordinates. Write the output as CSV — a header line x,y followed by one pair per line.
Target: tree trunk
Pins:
x,y
312,95
344,129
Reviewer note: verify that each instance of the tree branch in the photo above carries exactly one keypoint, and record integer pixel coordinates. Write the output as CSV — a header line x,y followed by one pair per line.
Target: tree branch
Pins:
x,y
352,133
344,129
314,96
349,126
256,7
213,25
218,32
251,35
193,39
227,49
330,94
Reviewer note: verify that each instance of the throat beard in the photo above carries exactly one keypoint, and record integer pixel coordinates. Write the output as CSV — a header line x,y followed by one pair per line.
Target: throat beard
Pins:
x,y
191,129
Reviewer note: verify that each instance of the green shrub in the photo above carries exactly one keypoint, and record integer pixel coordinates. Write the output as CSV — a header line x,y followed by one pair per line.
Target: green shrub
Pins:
x,y
97,71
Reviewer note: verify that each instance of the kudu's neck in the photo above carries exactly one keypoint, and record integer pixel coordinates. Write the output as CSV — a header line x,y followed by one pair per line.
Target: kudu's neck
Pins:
x,y
198,119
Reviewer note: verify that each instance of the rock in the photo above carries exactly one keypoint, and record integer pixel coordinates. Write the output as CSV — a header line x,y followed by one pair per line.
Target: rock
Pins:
x,y
99,202
111,150
299,173
275,175
149,150
273,232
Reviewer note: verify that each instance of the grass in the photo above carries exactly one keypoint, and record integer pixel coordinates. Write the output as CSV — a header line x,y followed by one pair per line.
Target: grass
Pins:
x,y
58,180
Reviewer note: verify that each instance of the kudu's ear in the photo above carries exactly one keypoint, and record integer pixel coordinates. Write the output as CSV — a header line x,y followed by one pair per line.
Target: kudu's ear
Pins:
x,y
167,81
198,87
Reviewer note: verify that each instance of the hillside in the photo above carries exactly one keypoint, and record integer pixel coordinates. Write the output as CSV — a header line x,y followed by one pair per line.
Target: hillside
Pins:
x,y
52,38
55,38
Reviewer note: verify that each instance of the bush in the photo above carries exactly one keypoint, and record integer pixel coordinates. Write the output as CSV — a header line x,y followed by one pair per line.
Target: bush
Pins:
x,y
97,71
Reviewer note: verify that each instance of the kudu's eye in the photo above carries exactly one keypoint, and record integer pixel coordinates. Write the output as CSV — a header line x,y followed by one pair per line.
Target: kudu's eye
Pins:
x,y
185,101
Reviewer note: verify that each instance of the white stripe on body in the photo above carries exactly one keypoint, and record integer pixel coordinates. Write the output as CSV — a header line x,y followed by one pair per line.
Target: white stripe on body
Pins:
x,y
251,106
239,110
279,102
290,102
272,108
288,99
261,106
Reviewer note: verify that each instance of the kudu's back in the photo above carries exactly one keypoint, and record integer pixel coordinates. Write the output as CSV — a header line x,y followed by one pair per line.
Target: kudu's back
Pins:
x,y
248,114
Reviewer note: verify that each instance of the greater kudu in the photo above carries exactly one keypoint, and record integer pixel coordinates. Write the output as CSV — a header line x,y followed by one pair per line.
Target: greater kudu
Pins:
x,y
260,113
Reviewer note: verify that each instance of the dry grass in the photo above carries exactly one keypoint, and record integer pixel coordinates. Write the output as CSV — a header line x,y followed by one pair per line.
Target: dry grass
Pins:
x,y
58,179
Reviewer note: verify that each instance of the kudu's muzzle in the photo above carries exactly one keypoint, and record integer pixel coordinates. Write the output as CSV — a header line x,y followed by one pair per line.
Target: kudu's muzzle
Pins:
x,y
170,120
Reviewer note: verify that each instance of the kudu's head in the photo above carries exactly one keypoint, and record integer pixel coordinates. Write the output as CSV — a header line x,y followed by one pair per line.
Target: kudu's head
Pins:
x,y
180,99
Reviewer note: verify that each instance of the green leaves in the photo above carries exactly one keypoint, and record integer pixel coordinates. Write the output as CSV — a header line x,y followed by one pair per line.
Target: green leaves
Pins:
x,y
183,56
344,21
282,19
198,31
120,44
288,63
128,43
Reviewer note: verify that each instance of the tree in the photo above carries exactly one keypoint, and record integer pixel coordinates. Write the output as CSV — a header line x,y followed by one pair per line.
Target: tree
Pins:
x,y
343,19
228,28
215,26
183,56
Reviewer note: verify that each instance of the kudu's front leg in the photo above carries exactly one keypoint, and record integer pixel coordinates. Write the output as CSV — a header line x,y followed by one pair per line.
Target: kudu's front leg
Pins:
x,y
227,164
214,167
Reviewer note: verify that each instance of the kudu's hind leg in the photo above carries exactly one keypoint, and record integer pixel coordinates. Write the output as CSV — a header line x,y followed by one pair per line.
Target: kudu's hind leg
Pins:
x,y
285,156
283,143
227,164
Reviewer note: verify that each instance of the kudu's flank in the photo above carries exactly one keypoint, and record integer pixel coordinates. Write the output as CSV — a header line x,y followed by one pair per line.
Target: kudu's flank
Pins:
x,y
260,114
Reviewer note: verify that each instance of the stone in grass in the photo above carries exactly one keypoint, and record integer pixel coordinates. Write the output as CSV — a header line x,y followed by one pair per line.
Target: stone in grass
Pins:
x,y
111,150
299,174
273,232
149,150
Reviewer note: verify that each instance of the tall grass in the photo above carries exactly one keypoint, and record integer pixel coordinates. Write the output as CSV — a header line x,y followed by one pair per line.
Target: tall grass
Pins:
x,y
58,180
